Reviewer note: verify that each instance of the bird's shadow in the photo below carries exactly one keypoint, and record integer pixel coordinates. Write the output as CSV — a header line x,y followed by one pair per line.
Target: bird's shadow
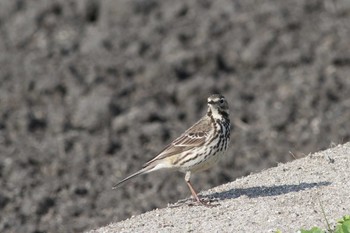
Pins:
x,y
253,192
263,191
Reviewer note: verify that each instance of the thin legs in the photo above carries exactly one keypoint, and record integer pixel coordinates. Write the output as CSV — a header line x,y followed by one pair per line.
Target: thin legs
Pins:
x,y
188,182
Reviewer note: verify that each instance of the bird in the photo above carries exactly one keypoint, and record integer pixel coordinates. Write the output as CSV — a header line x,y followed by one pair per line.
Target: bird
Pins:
x,y
198,148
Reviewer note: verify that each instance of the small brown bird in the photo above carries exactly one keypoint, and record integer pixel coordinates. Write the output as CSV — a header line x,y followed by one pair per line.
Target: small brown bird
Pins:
x,y
198,148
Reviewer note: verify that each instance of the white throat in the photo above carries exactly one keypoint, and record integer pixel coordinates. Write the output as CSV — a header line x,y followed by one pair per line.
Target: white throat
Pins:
x,y
215,113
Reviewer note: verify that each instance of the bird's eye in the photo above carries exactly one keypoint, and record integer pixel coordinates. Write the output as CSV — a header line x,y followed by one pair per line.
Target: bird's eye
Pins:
x,y
221,101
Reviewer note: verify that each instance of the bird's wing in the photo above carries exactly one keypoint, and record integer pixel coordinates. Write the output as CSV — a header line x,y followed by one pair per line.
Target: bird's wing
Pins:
x,y
193,137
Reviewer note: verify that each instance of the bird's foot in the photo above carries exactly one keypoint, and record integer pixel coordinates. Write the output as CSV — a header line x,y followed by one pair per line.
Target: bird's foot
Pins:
x,y
205,202
194,202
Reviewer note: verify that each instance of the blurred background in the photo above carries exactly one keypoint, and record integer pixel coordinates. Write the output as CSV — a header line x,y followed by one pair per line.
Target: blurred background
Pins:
x,y
90,90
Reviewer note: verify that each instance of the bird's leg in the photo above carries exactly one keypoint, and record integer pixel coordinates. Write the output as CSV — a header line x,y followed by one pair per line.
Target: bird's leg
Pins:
x,y
194,193
188,182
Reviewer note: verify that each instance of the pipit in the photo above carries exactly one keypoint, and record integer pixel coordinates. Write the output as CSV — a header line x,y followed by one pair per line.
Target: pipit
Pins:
x,y
198,148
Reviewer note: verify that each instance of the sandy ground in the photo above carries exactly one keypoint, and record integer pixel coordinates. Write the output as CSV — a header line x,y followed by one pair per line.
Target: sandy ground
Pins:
x,y
288,197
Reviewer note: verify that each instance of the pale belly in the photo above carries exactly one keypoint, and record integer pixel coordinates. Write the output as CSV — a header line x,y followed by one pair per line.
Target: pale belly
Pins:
x,y
209,162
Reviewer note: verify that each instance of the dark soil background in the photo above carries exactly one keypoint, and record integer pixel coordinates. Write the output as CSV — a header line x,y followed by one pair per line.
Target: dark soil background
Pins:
x,y
90,90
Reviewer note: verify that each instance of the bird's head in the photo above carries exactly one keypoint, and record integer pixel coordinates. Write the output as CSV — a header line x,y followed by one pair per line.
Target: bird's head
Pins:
x,y
218,105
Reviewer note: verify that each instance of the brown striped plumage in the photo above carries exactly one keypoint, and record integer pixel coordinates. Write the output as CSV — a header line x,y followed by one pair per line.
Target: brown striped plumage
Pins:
x,y
198,148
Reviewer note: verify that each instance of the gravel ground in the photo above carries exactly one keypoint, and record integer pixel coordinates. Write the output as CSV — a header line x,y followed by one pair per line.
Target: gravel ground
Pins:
x,y
287,197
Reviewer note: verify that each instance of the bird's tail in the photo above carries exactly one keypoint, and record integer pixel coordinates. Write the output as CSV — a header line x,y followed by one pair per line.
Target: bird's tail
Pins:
x,y
140,172
148,167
